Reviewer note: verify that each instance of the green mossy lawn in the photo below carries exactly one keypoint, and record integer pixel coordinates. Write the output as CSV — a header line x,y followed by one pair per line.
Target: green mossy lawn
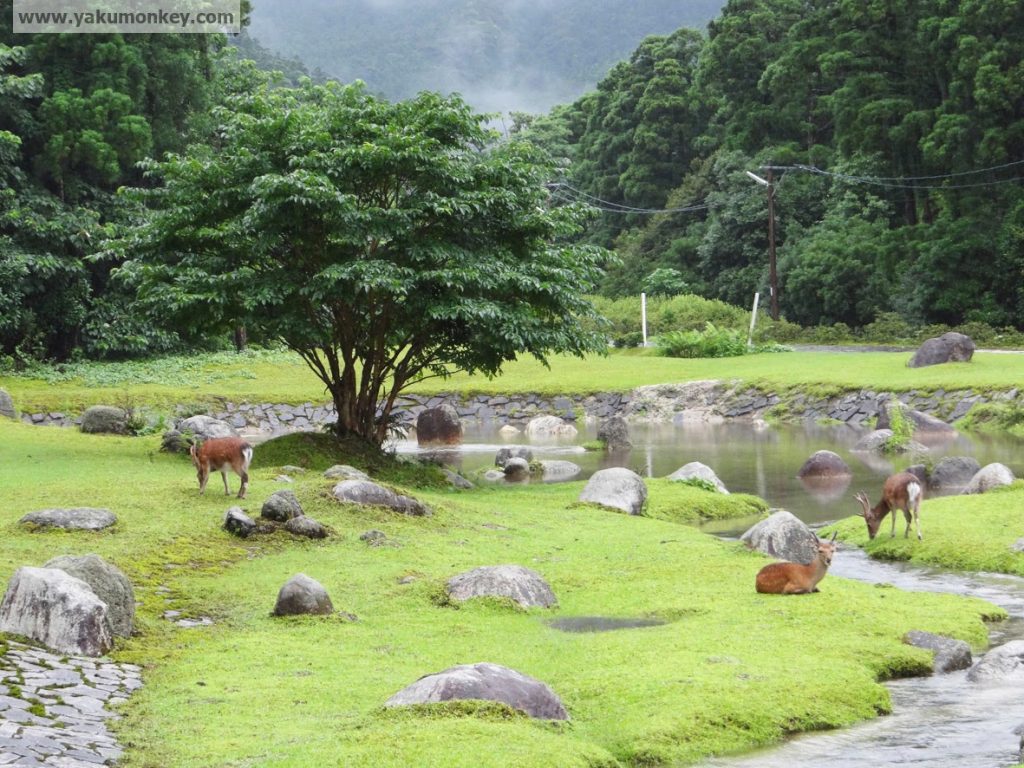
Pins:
x,y
972,533
729,670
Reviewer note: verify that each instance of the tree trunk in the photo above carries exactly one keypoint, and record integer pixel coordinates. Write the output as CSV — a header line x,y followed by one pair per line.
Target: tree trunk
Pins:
x,y
241,338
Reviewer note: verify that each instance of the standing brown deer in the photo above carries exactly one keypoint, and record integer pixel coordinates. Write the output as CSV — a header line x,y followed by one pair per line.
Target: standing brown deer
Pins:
x,y
222,454
795,578
901,491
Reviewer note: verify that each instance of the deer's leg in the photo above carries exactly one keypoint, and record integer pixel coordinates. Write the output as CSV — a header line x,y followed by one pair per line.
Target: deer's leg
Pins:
x,y
245,484
917,520
892,533
907,514
224,477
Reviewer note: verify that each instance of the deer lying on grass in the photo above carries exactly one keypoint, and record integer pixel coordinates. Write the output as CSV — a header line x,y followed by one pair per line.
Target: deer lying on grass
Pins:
x,y
795,578
901,491
221,454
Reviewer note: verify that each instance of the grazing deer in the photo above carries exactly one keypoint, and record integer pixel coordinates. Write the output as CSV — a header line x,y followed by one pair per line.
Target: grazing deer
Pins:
x,y
795,578
901,491
221,454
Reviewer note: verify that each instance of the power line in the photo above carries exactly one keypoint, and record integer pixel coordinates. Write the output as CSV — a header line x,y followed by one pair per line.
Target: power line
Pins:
x,y
936,176
612,207
889,182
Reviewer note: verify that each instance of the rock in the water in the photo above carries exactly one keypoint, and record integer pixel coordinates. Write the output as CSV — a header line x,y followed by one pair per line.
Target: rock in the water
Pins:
x,y
558,471
513,452
950,347
306,526
281,506
522,585
920,471
509,431
302,595
486,682
57,610
105,419
784,536
110,585
614,433
439,426
7,405
545,427
1003,663
345,472
822,464
950,654
990,476
76,518
699,471
456,480
366,492
618,488
493,476
922,422
953,473
516,469
874,441
239,523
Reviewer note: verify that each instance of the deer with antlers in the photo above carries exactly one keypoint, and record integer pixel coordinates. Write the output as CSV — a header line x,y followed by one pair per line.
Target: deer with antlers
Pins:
x,y
903,491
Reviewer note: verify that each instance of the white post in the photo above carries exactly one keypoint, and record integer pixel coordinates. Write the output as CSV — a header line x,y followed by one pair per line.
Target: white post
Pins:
x,y
643,315
753,319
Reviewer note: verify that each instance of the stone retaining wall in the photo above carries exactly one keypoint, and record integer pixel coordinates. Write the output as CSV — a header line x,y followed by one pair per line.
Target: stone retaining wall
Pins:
x,y
676,403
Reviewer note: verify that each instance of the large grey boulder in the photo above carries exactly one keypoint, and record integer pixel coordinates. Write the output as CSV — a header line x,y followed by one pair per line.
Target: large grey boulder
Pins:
x,y
7,405
614,433
239,523
455,480
512,452
824,464
345,472
618,488
782,535
438,426
57,610
72,519
953,473
110,585
306,526
559,471
1004,663
950,654
988,477
923,423
487,682
522,585
281,506
198,429
105,419
302,595
874,441
548,427
950,347
366,492
696,470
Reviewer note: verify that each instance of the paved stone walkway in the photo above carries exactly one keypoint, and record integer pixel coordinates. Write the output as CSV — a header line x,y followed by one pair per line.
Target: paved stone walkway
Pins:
x,y
54,709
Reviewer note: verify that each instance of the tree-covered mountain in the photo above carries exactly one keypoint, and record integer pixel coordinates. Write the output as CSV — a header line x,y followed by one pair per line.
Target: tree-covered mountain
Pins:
x,y
898,133
502,55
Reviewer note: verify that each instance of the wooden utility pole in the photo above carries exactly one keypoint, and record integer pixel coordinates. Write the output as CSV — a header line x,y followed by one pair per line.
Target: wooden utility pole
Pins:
x,y
773,275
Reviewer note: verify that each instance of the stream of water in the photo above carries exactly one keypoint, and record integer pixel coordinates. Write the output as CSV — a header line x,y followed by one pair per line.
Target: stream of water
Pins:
x,y
942,721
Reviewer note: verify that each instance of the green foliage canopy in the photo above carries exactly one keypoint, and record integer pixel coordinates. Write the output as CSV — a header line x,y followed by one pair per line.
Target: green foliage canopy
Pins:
x,y
383,242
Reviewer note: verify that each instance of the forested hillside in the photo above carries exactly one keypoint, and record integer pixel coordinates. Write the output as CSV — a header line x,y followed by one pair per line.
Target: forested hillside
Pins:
x,y
899,130
500,54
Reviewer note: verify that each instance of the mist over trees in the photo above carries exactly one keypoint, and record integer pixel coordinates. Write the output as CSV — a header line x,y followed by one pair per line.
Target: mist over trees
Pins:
x,y
907,119
500,55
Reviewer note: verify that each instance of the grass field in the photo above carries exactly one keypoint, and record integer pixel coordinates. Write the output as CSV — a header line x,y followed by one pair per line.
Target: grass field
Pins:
x,y
280,377
730,669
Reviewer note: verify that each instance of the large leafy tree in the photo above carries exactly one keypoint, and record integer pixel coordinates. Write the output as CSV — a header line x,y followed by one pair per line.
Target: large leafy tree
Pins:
x,y
382,242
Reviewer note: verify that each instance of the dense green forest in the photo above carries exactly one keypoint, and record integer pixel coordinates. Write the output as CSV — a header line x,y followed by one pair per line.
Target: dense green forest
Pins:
x,y
898,128
500,54
897,131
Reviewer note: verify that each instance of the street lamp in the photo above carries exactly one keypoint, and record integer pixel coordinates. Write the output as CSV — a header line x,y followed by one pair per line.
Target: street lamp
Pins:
x,y
773,275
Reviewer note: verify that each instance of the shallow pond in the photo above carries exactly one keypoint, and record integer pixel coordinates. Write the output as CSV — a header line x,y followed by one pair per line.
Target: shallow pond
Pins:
x,y
748,459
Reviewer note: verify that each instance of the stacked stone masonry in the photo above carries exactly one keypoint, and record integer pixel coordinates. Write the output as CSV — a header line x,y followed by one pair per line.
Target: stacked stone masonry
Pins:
x,y
699,401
